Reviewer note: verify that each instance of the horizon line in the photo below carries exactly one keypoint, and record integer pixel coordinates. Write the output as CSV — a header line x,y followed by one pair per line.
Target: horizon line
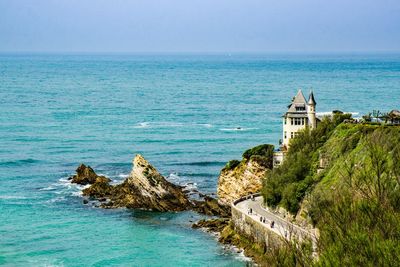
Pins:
x,y
227,53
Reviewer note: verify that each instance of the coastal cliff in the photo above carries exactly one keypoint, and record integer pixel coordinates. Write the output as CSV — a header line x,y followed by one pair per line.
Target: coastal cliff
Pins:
x,y
241,178
343,177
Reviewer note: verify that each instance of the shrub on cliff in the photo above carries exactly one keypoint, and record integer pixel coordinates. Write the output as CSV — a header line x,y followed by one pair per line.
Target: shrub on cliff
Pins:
x,y
265,150
231,164
263,154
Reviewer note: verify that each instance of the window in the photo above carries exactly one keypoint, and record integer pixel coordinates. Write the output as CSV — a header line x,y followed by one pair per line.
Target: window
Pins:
x,y
291,134
300,107
285,135
291,121
284,121
298,121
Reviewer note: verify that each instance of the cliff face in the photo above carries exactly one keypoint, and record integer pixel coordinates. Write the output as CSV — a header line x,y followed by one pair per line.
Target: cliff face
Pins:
x,y
241,178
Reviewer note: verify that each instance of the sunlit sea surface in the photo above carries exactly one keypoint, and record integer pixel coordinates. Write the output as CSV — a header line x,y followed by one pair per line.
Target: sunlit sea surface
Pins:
x,y
187,114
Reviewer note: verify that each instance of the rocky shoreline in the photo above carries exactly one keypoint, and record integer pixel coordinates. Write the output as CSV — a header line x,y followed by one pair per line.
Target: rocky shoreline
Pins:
x,y
145,188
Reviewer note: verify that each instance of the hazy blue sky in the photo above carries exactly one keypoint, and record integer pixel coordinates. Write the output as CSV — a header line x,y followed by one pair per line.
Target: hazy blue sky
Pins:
x,y
199,25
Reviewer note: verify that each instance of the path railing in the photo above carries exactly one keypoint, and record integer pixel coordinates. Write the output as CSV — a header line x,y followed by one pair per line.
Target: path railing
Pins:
x,y
284,223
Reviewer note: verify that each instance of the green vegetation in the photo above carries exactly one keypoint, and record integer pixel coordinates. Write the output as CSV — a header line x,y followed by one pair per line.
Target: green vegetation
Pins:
x,y
357,208
284,254
263,154
288,184
354,200
265,150
232,164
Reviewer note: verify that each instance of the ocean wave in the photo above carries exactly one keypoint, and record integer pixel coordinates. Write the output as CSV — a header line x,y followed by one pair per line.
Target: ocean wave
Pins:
x,y
205,174
178,179
146,124
142,125
207,125
19,162
49,188
201,163
13,197
234,129
57,199
63,187
123,175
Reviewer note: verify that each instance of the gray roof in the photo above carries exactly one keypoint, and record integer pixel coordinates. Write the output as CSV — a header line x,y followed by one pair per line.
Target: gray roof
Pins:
x,y
311,99
295,115
298,100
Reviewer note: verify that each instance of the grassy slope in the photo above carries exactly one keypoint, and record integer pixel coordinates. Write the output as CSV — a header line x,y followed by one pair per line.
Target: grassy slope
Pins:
x,y
354,201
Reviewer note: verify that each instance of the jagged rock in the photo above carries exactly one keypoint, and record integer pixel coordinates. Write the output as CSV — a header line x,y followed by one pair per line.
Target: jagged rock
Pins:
x,y
241,178
210,206
213,225
145,188
86,175
99,189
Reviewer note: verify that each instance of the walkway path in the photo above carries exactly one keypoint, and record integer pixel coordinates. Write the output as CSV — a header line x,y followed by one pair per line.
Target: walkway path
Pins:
x,y
281,226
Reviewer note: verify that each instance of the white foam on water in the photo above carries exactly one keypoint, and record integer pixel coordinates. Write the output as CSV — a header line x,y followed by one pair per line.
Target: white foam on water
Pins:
x,y
13,197
190,186
162,124
176,179
237,129
57,199
142,125
157,124
239,255
49,188
207,125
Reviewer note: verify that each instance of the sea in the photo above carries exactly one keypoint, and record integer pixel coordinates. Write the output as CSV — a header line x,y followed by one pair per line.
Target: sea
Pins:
x,y
188,114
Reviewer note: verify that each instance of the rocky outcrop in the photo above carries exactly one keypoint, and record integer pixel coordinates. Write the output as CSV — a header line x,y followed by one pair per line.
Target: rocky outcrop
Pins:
x,y
213,225
86,175
210,206
241,178
145,188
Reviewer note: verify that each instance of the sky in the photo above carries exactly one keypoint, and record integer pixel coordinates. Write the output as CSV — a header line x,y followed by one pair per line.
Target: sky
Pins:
x,y
207,26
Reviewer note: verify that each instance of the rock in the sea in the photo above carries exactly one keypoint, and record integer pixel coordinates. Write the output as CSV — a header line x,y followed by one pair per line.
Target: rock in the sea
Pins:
x,y
213,225
210,206
86,175
241,178
145,188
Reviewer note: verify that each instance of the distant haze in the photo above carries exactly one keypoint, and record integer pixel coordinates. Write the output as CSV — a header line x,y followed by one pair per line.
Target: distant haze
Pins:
x,y
199,25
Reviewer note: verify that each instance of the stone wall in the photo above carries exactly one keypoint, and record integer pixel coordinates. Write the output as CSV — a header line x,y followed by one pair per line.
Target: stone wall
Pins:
x,y
254,230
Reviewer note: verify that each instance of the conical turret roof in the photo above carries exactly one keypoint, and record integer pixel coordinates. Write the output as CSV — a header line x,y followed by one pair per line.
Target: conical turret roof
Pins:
x,y
311,99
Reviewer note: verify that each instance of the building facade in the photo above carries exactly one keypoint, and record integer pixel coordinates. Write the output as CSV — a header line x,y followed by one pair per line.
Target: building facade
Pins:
x,y
300,114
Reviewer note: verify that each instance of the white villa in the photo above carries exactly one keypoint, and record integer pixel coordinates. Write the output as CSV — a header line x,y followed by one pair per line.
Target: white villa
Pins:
x,y
300,114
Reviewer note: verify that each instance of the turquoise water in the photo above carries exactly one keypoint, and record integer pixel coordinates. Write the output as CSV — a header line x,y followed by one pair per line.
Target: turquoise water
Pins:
x,y
180,112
